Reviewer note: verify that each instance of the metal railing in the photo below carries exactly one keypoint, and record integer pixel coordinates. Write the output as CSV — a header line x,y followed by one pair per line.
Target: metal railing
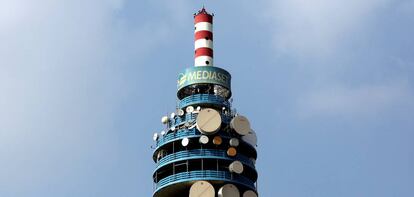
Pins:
x,y
204,99
202,153
175,135
190,118
204,175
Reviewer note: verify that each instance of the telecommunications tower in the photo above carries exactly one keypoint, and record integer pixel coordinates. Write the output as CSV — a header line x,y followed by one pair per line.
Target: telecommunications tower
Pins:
x,y
206,148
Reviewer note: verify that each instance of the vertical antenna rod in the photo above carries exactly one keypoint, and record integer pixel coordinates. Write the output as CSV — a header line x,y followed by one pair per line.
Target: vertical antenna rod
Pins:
x,y
203,38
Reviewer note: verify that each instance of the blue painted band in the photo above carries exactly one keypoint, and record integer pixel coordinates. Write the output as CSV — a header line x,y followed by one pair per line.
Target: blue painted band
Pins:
x,y
198,99
204,175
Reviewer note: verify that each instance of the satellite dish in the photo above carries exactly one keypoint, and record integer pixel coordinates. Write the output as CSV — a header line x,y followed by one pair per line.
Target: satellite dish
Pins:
x,y
172,115
208,121
231,152
163,133
249,193
229,190
180,112
185,142
234,142
236,167
186,124
203,139
172,128
155,137
202,189
164,120
250,138
161,154
240,124
198,108
253,161
217,140
189,109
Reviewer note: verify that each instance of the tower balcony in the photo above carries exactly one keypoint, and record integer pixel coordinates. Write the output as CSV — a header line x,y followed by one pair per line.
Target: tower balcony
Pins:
x,y
220,177
203,100
202,154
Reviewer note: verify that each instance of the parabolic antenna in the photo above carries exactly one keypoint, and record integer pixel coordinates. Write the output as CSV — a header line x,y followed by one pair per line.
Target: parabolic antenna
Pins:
x,y
234,142
253,161
155,137
202,189
229,190
231,152
185,142
208,121
236,167
187,124
172,115
250,138
189,109
240,124
164,119
180,112
249,193
203,139
217,140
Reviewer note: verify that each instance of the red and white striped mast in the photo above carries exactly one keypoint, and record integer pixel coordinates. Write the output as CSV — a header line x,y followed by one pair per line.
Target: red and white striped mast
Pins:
x,y
203,38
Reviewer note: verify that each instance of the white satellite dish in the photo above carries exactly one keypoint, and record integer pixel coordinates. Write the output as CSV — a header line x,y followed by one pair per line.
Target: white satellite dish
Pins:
x,y
155,136
229,190
203,139
180,112
163,133
250,138
198,108
240,124
172,128
236,167
164,119
189,109
249,193
202,189
208,121
172,115
234,142
185,142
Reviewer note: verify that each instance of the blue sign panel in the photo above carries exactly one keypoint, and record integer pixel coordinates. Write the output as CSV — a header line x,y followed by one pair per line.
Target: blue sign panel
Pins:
x,y
204,74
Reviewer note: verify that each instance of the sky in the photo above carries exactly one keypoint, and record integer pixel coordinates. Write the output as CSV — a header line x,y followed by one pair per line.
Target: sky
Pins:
x,y
328,86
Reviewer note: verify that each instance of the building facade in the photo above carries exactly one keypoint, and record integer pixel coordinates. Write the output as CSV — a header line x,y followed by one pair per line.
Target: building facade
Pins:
x,y
207,149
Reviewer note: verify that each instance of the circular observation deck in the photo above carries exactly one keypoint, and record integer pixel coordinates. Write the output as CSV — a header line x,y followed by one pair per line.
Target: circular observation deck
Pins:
x,y
190,118
172,139
182,181
202,154
204,100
